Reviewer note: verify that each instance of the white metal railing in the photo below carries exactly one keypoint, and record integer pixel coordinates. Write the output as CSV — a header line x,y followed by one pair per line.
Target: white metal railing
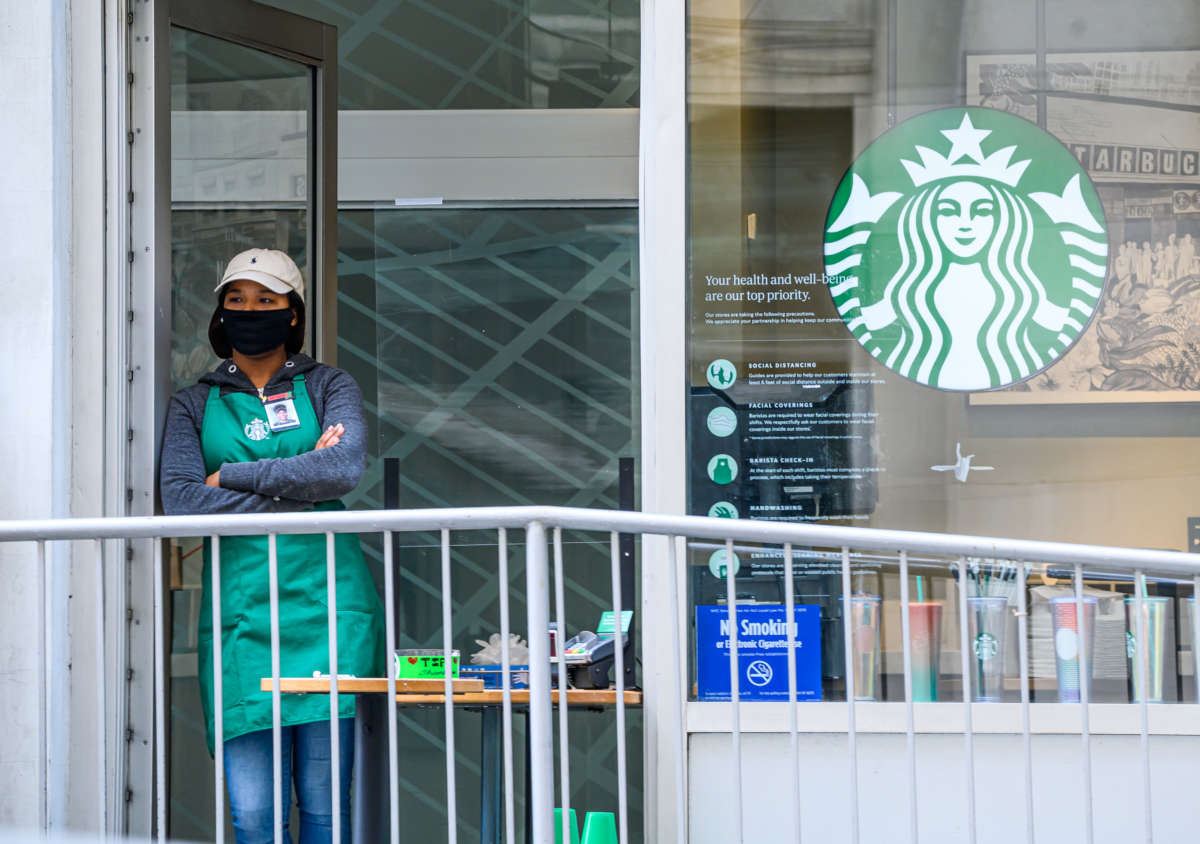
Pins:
x,y
543,528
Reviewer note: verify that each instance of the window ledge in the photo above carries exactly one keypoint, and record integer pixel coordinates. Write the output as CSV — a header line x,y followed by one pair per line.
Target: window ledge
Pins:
x,y
1174,719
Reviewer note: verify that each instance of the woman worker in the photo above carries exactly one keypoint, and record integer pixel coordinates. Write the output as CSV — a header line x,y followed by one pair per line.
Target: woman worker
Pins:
x,y
227,450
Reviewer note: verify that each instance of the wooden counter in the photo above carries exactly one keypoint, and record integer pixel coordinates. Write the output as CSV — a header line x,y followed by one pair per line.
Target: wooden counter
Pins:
x,y
466,692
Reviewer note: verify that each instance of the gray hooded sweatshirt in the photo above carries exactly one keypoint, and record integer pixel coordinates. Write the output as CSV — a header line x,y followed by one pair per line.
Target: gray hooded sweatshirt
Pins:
x,y
274,485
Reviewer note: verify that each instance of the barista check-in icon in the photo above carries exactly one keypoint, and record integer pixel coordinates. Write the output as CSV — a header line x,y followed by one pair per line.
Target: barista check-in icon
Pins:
x,y
722,469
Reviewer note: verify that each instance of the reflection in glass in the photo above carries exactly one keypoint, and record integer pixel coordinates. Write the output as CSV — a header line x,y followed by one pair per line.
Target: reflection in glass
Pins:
x,y
477,54
239,175
1098,447
497,353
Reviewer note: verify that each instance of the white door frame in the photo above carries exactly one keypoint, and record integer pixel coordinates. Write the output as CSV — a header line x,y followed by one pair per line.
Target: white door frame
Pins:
x,y
662,231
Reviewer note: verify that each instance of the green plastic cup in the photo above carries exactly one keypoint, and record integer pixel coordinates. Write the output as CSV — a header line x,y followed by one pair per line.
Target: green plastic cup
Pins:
x,y
600,828
558,827
925,647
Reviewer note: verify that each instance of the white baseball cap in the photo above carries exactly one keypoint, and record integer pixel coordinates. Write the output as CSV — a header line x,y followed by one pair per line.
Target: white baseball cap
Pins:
x,y
271,268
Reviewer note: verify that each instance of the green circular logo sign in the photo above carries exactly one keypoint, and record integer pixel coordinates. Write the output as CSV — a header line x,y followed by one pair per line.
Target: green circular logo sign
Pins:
x,y
966,249
721,421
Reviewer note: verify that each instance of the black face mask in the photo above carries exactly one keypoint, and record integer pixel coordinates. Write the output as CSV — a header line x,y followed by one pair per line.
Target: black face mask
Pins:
x,y
256,332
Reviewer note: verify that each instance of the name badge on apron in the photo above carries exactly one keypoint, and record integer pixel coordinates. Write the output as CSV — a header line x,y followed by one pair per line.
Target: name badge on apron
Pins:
x,y
281,412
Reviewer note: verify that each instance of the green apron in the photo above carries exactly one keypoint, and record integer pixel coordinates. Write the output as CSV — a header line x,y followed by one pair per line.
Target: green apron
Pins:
x,y
229,421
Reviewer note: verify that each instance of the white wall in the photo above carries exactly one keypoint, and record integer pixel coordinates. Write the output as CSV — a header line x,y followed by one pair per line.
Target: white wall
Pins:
x,y
30,136
52,284
883,789
500,155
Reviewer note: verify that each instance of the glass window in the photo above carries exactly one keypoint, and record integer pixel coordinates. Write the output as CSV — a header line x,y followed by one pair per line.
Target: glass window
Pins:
x,y
497,353
466,54
955,288
239,175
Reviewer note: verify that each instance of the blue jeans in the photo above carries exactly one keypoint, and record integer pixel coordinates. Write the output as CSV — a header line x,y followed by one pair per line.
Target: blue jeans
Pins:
x,y
249,773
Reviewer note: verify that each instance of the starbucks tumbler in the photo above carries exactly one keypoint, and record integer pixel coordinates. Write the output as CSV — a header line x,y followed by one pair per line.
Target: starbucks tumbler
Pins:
x,y
1153,650
925,645
1065,616
986,618
864,626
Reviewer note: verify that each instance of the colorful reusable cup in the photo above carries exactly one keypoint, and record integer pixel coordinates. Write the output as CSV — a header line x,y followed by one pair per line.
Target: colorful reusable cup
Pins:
x,y
1065,617
925,644
864,625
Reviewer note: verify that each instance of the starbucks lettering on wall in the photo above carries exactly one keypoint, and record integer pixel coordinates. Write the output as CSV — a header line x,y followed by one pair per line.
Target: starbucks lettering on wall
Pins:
x,y
966,249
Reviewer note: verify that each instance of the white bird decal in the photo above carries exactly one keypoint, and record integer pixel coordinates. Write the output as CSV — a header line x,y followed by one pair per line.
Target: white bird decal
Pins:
x,y
962,467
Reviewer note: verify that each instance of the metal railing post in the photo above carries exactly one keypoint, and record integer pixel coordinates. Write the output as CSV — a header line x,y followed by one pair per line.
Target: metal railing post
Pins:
x,y
276,701
619,639
218,697
735,679
851,723
677,691
335,767
510,822
969,727
1023,665
389,589
43,674
541,752
448,686
564,747
160,685
1084,628
1141,660
789,621
910,736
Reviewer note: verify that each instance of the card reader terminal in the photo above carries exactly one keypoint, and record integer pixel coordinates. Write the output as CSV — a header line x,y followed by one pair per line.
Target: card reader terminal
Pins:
x,y
590,657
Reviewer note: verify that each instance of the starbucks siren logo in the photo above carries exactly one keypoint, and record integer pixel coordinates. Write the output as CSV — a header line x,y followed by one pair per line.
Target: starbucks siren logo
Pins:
x,y
986,646
965,269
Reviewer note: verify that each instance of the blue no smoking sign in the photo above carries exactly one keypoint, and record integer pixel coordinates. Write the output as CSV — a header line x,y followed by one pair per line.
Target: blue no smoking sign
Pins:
x,y
762,652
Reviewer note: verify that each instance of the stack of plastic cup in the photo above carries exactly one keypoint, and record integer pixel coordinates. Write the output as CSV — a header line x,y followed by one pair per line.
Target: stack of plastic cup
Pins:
x,y
1153,650
864,626
925,644
1065,615
987,618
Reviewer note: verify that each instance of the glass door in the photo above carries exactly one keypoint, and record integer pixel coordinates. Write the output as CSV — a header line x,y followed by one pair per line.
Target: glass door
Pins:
x,y
252,140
